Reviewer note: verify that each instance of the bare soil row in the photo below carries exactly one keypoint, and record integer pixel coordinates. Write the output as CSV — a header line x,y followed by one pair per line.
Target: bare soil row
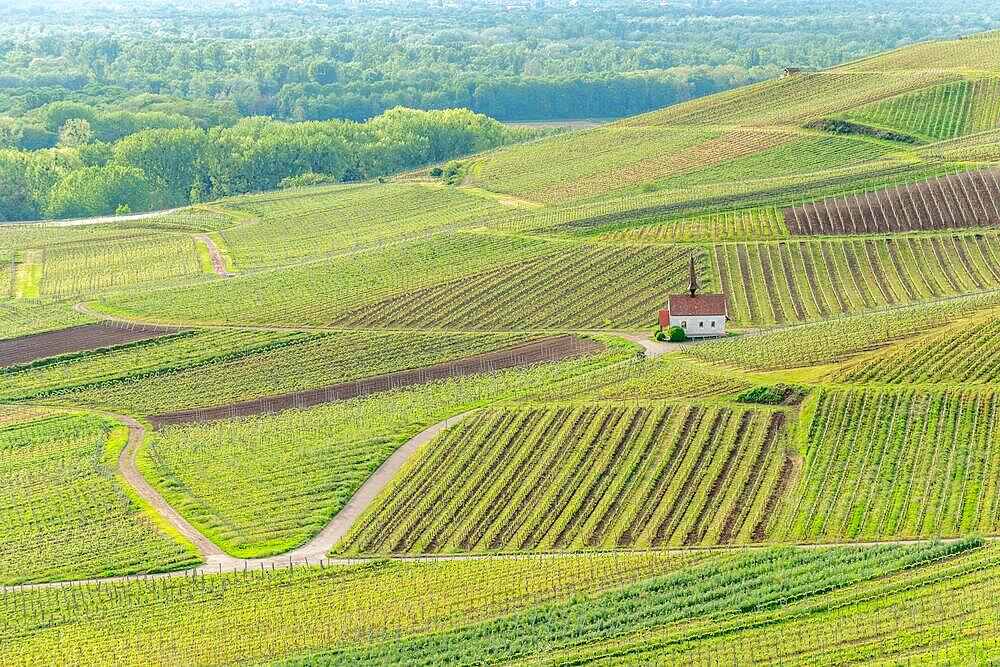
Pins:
x,y
26,349
546,350
970,199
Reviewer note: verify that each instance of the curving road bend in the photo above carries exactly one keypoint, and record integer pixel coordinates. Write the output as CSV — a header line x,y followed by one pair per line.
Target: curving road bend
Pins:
x,y
315,550
312,551
652,347
126,466
324,541
215,559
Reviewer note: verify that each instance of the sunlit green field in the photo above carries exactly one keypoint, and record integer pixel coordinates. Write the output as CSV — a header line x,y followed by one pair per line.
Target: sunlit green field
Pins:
x,y
816,487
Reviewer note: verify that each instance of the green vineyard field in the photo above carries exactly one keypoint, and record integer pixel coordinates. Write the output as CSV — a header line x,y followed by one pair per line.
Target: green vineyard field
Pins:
x,y
581,286
585,477
835,339
251,365
716,610
803,97
744,225
231,617
296,226
433,418
965,353
939,112
897,463
263,485
316,294
687,606
776,282
86,268
25,317
63,513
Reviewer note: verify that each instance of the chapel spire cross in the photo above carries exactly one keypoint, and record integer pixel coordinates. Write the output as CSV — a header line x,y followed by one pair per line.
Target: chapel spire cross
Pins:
x,y
693,284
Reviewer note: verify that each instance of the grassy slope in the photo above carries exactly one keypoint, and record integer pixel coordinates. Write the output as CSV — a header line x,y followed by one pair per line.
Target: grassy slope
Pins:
x,y
80,522
263,485
397,256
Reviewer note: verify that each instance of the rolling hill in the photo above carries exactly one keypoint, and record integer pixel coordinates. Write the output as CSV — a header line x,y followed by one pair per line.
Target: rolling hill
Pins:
x,y
373,376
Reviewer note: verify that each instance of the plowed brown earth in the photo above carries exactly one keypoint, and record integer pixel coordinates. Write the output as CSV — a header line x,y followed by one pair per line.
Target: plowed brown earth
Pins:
x,y
961,200
75,339
549,349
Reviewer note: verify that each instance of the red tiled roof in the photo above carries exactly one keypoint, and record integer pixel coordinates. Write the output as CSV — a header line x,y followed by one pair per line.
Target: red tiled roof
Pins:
x,y
702,304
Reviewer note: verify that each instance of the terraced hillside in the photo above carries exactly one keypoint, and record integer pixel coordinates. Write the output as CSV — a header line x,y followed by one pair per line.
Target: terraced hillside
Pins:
x,y
221,367
290,403
902,462
964,353
741,225
939,112
787,281
317,293
262,484
595,476
963,200
279,228
582,286
837,340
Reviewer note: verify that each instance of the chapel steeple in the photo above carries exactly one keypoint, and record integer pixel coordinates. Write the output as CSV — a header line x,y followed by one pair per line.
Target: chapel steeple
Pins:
x,y
693,279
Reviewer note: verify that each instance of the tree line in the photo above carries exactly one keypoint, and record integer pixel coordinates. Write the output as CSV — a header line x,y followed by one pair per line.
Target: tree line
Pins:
x,y
162,105
167,166
526,60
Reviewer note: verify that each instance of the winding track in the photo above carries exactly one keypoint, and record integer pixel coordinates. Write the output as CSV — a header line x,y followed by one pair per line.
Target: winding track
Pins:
x,y
126,466
312,551
315,551
218,263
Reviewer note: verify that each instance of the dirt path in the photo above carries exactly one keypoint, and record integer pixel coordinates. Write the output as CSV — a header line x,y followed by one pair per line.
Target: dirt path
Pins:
x,y
127,468
318,547
312,552
218,263
655,348
98,220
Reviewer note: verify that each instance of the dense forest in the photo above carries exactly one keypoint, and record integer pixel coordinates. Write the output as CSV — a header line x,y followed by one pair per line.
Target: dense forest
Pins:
x,y
91,173
511,60
87,87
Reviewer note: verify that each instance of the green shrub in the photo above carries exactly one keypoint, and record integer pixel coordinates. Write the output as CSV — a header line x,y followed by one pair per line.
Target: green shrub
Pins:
x,y
660,335
676,334
773,394
454,172
838,126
